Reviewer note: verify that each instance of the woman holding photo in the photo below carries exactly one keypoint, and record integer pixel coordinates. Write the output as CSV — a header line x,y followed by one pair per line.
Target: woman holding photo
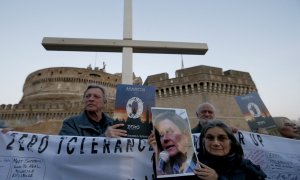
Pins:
x,y
222,156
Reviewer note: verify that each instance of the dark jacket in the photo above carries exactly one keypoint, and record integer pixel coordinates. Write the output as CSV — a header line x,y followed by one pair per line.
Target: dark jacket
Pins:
x,y
197,129
82,125
231,168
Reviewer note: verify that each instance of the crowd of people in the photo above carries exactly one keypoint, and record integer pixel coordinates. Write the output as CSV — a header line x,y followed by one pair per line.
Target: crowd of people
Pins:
x,y
219,156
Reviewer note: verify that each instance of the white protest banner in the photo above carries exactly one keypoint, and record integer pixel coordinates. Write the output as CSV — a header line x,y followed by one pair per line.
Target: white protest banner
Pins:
x,y
278,157
25,156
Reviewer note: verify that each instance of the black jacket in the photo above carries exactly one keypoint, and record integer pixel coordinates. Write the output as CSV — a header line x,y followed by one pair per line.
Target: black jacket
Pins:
x,y
231,168
81,125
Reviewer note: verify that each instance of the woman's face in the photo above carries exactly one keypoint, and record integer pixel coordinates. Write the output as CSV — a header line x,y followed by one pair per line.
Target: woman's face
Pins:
x,y
217,142
289,129
171,138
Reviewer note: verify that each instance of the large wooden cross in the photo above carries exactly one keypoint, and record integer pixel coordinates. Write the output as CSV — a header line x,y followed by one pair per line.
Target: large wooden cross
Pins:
x,y
127,46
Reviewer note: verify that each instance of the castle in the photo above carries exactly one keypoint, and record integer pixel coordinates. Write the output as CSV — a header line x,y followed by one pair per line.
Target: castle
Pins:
x,y
52,94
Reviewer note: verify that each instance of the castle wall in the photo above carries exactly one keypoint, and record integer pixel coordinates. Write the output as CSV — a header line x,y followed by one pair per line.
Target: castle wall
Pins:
x,y
65,83
54,94
199,84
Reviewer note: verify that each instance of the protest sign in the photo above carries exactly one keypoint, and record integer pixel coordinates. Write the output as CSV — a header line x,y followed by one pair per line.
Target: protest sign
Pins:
x,y
255,112
133,106
174,142
25,156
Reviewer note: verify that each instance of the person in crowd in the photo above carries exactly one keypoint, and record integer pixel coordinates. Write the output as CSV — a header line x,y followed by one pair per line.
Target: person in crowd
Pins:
x,y
3,127
206,112
174,149
92,121
222,157
287,128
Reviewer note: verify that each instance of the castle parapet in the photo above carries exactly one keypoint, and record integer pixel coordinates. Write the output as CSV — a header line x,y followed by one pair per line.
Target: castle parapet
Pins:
x,y
202,79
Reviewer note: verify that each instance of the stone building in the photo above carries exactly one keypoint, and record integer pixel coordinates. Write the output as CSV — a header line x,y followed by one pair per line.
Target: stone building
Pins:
x,y
192,86
56,93
52,94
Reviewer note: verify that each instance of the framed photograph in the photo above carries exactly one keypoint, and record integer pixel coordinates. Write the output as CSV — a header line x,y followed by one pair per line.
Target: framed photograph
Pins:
x,y
175,153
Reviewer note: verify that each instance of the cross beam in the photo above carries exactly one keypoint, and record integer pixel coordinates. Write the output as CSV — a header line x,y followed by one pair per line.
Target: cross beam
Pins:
x,y
113,45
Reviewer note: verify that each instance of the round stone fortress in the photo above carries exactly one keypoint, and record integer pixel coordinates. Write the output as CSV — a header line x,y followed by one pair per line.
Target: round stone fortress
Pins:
x,y
53,94
56,93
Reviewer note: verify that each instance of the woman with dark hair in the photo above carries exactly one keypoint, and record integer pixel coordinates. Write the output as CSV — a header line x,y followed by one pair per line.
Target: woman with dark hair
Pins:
x,y
221,155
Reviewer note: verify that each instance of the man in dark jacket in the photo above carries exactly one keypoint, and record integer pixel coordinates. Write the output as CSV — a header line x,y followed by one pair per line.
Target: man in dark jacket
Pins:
x,y
206,112
92,121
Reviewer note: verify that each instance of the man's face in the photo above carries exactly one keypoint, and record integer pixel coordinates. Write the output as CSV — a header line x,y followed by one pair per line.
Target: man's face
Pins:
x,y
93,100
205,114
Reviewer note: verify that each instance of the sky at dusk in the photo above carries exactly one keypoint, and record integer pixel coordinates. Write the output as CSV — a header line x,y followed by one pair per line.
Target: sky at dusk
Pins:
x,y
259,37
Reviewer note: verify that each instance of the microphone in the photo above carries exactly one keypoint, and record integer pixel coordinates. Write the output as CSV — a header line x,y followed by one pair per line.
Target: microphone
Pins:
x,y
163,158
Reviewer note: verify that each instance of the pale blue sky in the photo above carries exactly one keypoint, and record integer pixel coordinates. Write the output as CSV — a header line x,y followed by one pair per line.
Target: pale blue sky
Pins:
x,y
260,37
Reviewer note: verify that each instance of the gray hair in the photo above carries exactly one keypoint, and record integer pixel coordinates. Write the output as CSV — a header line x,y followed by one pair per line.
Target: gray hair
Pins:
x,y
206,104
279,121
102,88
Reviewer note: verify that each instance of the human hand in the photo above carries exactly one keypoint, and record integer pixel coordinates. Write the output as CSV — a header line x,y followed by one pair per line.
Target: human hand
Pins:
x,y
114,131
204,172
234,129
152,141
5,130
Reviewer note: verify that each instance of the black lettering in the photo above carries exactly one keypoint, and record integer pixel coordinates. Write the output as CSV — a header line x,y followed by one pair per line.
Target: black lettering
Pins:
x,y
260,139
253,139
32,142
150,148
196,139
241,138
82,145
140,147
9,147
70,151
130,144
118,146
60,143
21,142
106,146
94,144
44,139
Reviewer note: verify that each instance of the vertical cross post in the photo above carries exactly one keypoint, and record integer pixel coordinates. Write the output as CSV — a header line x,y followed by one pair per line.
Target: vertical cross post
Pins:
x,y
127,46
127,67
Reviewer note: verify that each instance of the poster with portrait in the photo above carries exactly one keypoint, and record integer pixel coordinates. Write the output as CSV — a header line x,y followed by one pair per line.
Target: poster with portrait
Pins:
x,y
255,112
174,143
133,109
